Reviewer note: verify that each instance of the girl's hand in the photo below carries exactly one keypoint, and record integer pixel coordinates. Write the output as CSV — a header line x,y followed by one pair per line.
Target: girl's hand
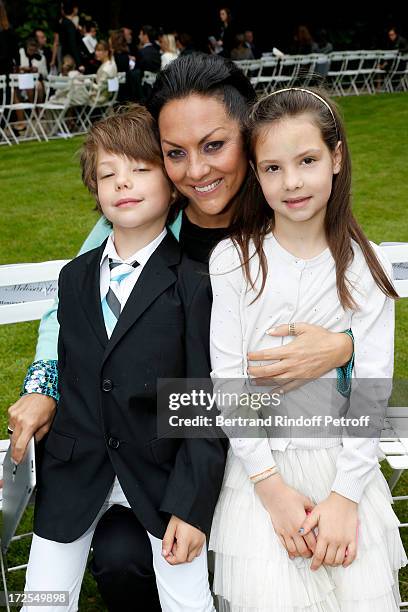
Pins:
x,y
313,352
287,509
336,519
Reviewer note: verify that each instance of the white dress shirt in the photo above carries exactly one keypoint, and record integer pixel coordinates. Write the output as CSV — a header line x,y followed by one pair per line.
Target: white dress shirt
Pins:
x,y
303,291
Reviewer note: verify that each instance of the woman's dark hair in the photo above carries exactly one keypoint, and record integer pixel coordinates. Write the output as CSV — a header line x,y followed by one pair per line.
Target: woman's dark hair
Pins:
x,y
205,75
210,76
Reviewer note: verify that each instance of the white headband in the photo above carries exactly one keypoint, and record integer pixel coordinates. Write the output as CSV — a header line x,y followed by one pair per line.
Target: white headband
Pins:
x,y
312,93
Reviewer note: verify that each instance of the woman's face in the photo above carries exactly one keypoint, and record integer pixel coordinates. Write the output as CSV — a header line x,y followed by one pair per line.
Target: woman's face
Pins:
x,y
203,155
101,54
223,15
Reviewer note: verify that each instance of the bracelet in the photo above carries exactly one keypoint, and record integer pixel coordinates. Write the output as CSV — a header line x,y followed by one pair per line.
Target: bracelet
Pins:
x,y
42,377
344,373
264,475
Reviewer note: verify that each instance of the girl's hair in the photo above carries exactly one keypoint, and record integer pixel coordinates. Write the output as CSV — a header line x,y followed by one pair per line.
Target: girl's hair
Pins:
x,y
118,42
4,22
257,217
210,76
105,46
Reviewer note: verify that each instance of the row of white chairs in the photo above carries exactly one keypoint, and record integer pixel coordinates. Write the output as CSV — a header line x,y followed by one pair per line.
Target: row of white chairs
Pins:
x,y
343,72
60,117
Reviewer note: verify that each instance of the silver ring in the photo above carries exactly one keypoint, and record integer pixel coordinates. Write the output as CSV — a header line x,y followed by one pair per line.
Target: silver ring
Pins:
x,y
292,329
9,431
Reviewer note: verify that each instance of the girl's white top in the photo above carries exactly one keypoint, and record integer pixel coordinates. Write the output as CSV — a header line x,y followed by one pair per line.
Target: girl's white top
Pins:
x,y
299,290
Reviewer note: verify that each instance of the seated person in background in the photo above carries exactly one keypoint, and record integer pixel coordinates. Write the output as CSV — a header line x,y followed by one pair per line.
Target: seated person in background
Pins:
x,y
44,50
249,42
396,41
31,60
76,88
169,49
240,51
107,70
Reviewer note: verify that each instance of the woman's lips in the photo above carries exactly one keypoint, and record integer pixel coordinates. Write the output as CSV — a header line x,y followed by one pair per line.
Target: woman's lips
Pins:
x,y
206,188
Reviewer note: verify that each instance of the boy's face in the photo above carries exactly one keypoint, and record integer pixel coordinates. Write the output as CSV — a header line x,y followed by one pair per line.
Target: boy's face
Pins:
x,y
132,193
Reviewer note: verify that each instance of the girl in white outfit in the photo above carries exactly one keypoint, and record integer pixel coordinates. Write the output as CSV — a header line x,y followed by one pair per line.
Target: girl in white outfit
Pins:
x,y
303,524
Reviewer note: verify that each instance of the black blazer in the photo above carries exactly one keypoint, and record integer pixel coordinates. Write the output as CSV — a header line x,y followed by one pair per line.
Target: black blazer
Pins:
x,y
149,58
105,422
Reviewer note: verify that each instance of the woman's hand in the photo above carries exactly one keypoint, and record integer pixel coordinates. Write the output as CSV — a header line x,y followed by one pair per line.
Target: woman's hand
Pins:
x,y
287,509
31,415
337,521
313,352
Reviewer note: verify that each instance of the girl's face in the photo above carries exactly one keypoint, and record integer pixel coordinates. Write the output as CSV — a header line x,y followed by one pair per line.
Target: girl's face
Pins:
x,y
295,168
203,155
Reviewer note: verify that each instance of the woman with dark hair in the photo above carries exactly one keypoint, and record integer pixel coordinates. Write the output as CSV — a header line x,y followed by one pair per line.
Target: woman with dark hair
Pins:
x,y
120,50
227,34
201,105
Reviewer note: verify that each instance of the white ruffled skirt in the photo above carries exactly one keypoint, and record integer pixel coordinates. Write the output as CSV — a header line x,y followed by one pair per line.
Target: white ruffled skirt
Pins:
x,y
253,572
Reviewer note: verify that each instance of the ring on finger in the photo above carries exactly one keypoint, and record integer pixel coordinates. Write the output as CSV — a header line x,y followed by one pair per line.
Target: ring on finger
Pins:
x,y
9,431
292,329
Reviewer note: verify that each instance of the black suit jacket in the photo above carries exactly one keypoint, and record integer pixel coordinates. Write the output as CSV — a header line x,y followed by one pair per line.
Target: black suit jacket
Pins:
x,y
105,423
149,58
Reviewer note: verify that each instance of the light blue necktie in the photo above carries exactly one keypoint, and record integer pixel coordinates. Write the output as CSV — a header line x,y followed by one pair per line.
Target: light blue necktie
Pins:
x,y
111,306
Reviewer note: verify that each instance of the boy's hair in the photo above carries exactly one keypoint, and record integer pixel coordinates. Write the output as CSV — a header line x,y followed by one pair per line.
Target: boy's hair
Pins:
x,y
131,132
340,225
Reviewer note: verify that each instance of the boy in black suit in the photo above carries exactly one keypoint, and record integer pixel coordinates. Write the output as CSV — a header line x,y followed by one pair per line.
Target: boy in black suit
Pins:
x,y
130,312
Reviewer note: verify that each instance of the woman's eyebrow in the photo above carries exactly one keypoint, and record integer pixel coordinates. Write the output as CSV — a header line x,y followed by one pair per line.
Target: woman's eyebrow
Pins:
x,y
203,139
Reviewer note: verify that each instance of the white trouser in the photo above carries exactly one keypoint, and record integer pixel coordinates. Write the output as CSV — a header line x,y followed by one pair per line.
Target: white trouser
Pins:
x,y
56,566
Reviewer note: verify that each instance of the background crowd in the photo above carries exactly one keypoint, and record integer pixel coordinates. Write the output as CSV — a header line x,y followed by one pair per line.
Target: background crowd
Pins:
x,y
73,45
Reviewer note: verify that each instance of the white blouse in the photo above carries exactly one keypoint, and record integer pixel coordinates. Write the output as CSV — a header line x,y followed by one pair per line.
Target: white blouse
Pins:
x,y
301,290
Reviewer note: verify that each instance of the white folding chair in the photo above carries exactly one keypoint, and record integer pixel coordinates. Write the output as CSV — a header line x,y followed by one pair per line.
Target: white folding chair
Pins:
x,y
286,73
3,90
263,74
394,438
397,76
26,292
99,106
20,83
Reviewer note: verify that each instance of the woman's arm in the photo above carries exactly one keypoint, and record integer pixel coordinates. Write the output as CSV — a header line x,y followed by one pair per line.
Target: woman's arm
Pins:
x,y
34,411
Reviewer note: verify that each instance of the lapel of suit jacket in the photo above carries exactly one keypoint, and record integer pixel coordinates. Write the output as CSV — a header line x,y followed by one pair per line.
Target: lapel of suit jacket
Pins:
x,y
89,293
155,278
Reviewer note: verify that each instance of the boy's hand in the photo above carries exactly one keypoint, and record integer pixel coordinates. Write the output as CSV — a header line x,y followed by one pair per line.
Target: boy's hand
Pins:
x,y
31,414
287,509
337,520
182,542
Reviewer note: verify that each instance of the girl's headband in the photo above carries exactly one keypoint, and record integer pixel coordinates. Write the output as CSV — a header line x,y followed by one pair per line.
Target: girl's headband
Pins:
x,y
312,93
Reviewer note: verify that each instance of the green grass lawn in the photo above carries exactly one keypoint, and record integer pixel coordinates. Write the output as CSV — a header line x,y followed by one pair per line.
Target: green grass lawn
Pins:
x,y
46,213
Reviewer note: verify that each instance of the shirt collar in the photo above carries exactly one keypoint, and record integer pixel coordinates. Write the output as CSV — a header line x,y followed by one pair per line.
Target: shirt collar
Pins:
x,y
141,256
